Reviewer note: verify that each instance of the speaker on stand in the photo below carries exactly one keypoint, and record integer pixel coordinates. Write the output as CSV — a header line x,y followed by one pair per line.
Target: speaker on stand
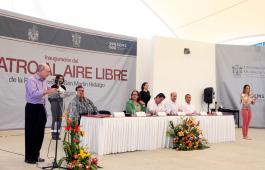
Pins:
x,y
208,96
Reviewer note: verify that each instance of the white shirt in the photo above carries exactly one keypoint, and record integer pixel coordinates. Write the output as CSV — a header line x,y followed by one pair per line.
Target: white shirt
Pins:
x,y
171,107
188,108
154,108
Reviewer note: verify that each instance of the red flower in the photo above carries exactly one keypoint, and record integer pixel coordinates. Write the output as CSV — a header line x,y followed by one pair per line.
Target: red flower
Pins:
x,y
67,128
68,120
75,156
75,140
77,129
94,161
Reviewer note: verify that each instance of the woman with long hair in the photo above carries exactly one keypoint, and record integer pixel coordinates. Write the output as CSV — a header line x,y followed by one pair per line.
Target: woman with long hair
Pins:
x,y
133,105
145,94
56,102
246,99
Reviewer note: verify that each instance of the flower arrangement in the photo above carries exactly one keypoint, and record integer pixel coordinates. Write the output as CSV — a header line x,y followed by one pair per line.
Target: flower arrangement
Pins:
x,y
187,135
76,156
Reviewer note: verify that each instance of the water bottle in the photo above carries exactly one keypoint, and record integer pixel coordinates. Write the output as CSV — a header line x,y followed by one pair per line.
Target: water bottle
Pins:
x,y
133,112
215,107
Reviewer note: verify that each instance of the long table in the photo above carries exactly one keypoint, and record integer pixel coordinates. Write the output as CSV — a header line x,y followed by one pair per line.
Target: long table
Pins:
x,y
114,135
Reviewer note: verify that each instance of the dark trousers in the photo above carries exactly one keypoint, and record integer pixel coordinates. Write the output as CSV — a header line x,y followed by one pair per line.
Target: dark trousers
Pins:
x,y
35,120
56,109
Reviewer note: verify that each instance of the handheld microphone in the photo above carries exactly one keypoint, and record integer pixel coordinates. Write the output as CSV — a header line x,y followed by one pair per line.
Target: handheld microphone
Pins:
x,y
58,84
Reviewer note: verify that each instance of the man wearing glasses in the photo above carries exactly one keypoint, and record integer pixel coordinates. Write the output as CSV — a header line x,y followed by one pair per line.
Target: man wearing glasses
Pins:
x,y
35,113
81,105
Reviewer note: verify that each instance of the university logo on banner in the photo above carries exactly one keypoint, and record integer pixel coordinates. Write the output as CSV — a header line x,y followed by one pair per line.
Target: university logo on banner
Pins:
x,y
237,70
33,33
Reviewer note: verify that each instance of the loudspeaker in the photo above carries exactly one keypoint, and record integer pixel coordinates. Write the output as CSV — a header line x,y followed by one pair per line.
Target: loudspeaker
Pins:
x,y
208,95
186,51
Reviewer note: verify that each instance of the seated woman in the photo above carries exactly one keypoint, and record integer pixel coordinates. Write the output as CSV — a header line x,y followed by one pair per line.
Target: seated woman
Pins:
x,y
133,105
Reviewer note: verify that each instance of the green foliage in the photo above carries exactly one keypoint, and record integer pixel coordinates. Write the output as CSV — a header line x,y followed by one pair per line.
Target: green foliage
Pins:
x,y
76,156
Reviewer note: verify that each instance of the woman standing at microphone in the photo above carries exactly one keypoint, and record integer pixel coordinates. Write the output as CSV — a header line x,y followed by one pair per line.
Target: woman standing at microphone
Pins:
x,y
57,106
246,100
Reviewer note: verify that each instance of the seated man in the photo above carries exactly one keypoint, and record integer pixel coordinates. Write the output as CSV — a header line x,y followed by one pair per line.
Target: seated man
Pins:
x,y
81,105
156,105
171,107
133,105
187,107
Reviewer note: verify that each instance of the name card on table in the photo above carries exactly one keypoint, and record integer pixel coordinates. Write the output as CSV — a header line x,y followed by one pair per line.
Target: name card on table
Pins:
x,y
203,113
118,114
140,114
161,114
219,113
181,113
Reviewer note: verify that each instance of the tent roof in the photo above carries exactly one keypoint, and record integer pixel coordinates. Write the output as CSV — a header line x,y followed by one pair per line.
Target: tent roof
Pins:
x,y
215,21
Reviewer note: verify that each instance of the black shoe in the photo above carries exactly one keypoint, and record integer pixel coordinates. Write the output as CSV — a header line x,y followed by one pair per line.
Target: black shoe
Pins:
x,y
55,137
30,161
40,160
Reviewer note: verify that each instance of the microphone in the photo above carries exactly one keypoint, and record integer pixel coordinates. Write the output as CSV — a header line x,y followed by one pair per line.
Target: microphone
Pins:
x,y
60,88
58,84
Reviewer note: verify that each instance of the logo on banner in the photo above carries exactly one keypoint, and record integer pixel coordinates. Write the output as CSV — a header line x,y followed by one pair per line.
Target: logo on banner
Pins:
x,y
113,45
33,33
248,71
260,97
117,45
76,39
237,70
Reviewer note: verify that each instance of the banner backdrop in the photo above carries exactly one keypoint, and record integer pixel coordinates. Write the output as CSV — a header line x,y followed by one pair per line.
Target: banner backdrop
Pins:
x,y
237,66
104,64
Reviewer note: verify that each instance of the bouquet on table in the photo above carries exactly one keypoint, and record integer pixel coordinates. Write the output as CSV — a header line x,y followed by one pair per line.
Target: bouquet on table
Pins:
x,y
76,156
187,135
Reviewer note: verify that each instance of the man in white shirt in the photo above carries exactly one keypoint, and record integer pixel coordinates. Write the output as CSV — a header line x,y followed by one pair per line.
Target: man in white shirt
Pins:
x,y
187,107
156,105
171,107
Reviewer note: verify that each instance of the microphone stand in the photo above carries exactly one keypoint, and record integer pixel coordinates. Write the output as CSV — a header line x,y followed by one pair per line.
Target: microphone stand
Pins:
x,y
59,110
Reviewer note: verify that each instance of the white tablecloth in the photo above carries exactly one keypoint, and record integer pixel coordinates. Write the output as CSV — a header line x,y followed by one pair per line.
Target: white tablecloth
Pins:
x,y
115,135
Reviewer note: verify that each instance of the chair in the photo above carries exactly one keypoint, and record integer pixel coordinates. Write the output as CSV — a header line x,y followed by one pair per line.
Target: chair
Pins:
x,y
127,114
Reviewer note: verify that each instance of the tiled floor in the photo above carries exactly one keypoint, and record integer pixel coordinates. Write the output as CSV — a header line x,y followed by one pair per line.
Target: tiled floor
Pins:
x,y
241,154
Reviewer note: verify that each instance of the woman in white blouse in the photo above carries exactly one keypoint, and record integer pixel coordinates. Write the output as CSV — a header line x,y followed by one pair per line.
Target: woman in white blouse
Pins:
x,y
246,100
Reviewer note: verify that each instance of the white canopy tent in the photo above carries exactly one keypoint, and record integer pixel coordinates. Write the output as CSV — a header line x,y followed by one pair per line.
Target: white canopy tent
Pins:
x,y
214,21
187,23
